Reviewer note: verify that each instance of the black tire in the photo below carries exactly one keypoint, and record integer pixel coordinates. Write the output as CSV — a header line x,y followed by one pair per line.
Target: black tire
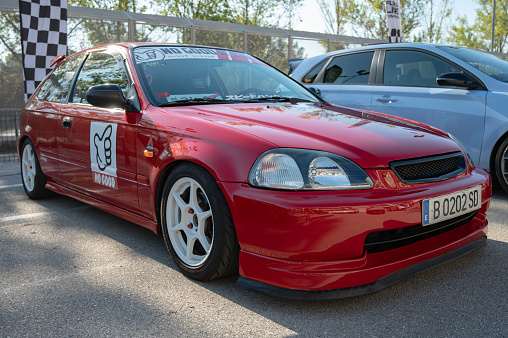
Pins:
x,y
32,177
186,243
500,170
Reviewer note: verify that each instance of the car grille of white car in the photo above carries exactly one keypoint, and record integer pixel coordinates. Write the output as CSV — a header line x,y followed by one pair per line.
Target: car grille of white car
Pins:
x,y
379,241
430,169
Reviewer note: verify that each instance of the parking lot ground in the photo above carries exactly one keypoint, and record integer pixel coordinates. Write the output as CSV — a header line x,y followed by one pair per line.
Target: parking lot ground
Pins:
x,y
68,269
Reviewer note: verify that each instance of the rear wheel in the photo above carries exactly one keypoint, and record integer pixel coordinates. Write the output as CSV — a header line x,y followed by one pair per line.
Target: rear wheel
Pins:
x,y
501,165
31,174
197,224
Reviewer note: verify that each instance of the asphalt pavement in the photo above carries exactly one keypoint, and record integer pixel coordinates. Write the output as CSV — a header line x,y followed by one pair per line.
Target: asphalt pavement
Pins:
x,y
68,269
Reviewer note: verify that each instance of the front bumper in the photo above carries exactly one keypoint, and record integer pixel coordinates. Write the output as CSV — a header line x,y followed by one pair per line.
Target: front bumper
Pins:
x,y
314,241
366,289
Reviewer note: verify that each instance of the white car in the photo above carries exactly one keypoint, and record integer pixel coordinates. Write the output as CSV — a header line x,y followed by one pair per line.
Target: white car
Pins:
x,y
459,90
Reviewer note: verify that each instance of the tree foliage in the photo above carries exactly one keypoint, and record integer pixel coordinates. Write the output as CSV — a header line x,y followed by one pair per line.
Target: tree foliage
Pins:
x,y
369,18
479,35
336,14
11,86
421,20
438,12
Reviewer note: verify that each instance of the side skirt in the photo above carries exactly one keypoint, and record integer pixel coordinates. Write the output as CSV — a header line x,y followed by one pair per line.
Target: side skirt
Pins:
x,y
110,208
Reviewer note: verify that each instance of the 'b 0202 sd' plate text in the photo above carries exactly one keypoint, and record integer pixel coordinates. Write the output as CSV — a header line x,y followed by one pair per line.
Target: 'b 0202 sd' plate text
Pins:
x,y
448,206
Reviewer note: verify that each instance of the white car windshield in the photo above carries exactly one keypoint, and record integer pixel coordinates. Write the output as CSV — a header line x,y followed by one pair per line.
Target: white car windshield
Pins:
x,y
487,63
176,75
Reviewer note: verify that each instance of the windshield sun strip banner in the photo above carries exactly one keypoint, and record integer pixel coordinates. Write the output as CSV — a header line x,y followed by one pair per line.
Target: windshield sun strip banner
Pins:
x,y
159,53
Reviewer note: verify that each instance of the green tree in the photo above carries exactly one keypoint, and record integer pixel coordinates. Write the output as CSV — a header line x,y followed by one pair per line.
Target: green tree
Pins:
x,y
479,34
11,69
215,10
11,86
369,18
336,14
9,26
438,12
100,32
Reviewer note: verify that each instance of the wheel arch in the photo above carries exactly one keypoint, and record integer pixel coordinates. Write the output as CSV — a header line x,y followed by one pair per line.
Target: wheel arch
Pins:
x,y
495,149
21,140
161,181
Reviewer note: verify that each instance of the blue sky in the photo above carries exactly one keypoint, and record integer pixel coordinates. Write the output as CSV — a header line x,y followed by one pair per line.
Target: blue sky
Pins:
x,y
310,15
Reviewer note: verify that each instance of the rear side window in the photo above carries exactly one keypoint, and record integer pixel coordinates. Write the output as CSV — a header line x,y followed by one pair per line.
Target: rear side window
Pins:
x,y
349,69
56,88
413,68
311,76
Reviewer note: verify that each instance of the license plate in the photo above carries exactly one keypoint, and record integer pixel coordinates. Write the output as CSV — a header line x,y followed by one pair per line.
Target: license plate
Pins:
x,y
448,206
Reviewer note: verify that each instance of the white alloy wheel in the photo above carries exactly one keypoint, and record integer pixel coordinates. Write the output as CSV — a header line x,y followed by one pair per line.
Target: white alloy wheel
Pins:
x,y
189,223
28,167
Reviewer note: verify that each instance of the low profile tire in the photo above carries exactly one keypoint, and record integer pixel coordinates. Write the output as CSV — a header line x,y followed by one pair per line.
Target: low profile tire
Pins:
x,y
197,225
501,165
31,174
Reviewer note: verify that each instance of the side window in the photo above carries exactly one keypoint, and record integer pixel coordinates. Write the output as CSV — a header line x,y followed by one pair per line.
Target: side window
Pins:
x,y
349,69
311,76
413,68
56,88
100,68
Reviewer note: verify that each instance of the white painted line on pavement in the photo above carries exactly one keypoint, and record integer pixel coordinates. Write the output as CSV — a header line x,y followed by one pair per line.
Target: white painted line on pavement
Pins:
x,y
10,186
37,214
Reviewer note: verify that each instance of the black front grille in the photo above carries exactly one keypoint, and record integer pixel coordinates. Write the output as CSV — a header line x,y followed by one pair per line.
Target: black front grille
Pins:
x,y
429,169
384,240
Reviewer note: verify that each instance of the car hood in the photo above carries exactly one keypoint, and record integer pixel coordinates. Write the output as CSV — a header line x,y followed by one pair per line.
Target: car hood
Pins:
x,y
366,138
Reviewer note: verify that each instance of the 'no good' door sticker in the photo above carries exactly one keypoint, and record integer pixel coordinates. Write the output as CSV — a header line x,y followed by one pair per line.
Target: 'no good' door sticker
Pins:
x,y
103,154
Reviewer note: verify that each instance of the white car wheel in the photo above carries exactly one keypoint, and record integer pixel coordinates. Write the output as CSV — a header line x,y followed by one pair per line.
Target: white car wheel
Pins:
x,y
190,226
197,224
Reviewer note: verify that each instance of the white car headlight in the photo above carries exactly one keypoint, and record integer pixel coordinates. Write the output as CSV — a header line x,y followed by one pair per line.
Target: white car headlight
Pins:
x,y
302,169
276,171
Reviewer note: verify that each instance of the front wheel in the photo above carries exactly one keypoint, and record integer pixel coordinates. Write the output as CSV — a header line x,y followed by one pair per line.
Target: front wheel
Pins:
x,y
31,174
197,225
501,165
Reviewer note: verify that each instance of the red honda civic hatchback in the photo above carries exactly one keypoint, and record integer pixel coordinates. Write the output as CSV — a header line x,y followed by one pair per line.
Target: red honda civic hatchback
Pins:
x,y
243,170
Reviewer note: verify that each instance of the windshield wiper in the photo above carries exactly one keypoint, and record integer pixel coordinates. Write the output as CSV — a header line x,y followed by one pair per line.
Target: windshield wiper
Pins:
x,y
278,99
188,102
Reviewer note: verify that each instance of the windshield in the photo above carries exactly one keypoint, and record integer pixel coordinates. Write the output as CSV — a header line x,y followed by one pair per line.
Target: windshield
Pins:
x,y
487,63
172,75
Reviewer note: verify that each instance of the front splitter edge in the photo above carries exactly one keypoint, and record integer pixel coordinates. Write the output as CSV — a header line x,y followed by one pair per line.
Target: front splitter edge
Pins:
x,y
365,289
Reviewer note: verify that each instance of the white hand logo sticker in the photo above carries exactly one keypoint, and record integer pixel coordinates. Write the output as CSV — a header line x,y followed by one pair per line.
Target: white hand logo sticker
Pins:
x,y
103,153
103,148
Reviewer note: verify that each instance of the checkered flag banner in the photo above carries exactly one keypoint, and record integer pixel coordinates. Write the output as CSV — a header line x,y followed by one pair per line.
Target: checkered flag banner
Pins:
x,y
43,36
393,18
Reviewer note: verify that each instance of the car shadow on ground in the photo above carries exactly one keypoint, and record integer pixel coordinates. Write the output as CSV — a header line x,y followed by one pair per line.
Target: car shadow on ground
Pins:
x,y
465,297
461,297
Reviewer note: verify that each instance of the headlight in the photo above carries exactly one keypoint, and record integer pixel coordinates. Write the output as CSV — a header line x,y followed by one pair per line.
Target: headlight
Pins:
x,y
469,159
302,169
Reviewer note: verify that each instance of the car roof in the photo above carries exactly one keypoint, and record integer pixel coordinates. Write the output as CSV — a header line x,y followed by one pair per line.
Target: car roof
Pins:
x,y
424,45
130,45
307,64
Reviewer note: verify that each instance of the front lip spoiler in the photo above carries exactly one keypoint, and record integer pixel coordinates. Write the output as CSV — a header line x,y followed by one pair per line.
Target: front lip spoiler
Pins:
x,y
365,289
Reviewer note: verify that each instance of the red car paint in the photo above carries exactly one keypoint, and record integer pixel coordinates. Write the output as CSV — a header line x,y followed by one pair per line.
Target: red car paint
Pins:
x,y
304,240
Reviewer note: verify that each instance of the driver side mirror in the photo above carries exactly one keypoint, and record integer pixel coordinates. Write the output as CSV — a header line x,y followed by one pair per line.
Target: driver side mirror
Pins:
x,y
316,91
456,79
109,96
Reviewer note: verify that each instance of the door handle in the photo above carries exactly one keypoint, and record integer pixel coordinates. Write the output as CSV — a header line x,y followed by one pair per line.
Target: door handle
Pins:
x,y
386,99
66,122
